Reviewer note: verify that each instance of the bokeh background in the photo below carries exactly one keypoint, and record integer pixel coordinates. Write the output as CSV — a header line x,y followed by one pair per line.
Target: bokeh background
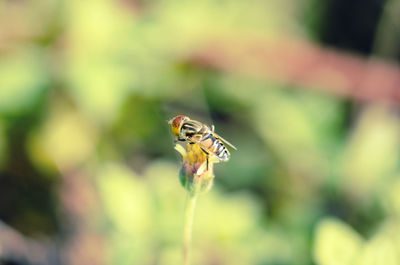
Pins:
x,y
307,90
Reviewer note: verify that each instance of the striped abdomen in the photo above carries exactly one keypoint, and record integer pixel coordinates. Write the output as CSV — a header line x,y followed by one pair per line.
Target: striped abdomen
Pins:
x,y
201,134
214,145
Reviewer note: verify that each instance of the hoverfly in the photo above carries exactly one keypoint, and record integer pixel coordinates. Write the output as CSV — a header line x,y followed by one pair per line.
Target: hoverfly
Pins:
x,y
195,132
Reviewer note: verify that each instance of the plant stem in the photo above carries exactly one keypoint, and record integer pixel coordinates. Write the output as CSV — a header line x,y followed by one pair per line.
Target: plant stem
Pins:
x,y
187,228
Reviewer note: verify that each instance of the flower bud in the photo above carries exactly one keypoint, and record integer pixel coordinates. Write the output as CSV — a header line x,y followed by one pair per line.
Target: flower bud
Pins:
x,y
195,175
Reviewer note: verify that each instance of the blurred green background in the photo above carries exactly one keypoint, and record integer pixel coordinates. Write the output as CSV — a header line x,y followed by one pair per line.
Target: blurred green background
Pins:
x,y
88,172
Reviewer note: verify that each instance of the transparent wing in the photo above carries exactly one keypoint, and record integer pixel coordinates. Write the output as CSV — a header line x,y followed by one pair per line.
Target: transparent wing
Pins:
x,y
225,141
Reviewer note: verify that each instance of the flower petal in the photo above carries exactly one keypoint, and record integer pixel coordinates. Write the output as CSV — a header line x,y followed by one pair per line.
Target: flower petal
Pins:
x,y
201,169
181,150
213,159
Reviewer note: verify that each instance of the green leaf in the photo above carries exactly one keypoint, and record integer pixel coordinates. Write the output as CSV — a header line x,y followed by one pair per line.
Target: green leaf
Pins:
x,y
336,243
23,79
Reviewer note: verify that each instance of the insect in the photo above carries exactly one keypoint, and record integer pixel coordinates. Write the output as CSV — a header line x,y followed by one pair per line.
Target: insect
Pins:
x,y
195,132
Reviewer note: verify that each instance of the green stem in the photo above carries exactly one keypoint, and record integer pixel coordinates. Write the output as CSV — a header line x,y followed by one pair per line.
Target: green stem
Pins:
x,y
188,223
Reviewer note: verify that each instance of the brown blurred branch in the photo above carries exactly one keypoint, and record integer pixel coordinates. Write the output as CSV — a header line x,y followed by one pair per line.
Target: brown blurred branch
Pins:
x,y
18,248
81,243
85,244
304,64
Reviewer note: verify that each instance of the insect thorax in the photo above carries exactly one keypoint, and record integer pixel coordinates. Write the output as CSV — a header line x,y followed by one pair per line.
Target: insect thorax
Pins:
x,y
191,128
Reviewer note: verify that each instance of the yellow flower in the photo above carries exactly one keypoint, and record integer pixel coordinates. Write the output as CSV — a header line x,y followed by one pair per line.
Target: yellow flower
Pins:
x,y
195,175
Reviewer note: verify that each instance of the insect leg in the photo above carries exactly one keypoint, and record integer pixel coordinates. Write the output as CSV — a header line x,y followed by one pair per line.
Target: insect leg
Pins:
x,y
181,140
205,151
212,128
207,154
188,140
